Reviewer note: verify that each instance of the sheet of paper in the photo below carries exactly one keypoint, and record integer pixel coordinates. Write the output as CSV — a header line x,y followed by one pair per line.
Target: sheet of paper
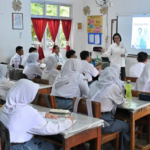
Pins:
x,y
97,39
91,38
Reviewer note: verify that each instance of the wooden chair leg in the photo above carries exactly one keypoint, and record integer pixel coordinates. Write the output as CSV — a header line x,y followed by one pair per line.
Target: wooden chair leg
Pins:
x,y
141,130
117,143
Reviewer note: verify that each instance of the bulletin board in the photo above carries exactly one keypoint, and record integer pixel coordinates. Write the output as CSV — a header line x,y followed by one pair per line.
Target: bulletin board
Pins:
x,y
95,29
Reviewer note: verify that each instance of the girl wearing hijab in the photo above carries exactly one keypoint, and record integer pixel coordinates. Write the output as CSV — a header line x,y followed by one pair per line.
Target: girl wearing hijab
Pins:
x,y
108,93
143,82
50,73
15,116
69,83
32,69
5,84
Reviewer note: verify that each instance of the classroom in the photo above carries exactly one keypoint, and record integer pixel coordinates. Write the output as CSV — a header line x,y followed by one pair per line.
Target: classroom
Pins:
x,y
74,75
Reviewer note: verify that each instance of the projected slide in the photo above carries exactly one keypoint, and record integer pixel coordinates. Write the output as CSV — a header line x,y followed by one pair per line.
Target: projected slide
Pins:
x,y
140,33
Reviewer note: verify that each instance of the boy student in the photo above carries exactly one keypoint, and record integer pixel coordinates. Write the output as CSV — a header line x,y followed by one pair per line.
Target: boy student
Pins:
x,y
17,57
31,50
71,54
57,54
88,69
137,69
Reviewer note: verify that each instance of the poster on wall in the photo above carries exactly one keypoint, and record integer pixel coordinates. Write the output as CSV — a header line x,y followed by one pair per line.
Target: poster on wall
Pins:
x,y
95,29
17,21
95,24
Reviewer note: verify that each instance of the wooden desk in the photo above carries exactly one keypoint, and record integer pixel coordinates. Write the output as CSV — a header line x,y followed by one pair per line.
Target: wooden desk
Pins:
x,y
131,112
85,129
45,89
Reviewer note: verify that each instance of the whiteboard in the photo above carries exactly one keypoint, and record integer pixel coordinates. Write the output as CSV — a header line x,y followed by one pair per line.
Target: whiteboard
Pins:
x,y
125,30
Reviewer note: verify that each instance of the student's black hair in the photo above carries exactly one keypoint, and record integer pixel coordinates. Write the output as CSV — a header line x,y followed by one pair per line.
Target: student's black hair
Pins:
x,y
54,47
84,55
70,53
142,56
18,48
117,34
32,49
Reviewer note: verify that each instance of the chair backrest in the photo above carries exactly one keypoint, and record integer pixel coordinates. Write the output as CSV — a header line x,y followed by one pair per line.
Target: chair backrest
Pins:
x,y
40,81
136,93
130,78
4,63
16,75
45,100
82,108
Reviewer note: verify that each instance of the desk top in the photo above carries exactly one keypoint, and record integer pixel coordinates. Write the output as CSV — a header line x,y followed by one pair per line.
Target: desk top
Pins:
x,y
134,104
82,123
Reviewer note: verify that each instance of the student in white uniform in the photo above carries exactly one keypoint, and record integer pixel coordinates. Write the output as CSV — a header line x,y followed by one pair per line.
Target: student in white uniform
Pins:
x,y
137,69
23,121
5,84
108,93
32,69
71,54
24,60
117,53
57,54
50,72
88,69
143,82
69,83
17,57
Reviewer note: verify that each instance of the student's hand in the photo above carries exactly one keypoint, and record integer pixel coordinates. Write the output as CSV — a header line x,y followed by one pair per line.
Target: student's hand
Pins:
x,y
99,67
51,116
71,118
102,50
122,55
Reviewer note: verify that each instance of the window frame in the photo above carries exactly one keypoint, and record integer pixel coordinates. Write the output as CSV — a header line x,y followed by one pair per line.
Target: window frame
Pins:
x,y
52,17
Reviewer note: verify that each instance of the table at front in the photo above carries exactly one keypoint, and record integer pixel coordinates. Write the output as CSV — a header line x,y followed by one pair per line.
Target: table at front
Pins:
x,y
85,129
135,110
45,89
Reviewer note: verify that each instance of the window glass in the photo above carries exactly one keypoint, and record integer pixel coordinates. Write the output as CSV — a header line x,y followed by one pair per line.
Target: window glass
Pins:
x,y
36,9
64,11
51,10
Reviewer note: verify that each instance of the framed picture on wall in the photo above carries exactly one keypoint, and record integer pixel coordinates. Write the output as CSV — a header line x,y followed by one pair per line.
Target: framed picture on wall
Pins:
x,y
17,21
79,26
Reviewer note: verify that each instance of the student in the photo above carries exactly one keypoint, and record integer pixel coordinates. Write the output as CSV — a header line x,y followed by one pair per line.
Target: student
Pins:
x,y
24,60
88,69
50,73
71,54
17,57
137,69
57,54
69,83
32,69
108,93
5,84
143,82
23,121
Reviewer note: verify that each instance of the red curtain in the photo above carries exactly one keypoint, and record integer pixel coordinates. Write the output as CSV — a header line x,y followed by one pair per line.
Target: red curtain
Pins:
x,y
53,25
66,25
39,25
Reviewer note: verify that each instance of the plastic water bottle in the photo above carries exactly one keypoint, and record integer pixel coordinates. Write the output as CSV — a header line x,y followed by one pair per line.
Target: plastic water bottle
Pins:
x,y
129,90
97,59
16,64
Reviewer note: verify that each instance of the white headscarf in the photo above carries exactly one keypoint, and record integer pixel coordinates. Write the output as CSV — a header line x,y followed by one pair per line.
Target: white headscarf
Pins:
x,y
143,82
32,59
16,114
3,71
70,69
51,64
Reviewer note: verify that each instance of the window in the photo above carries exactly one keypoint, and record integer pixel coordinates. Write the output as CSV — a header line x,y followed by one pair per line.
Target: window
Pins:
x,y
50,10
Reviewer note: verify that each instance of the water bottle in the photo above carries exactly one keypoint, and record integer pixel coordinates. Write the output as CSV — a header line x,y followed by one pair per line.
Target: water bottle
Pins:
x,y
129,90
97,59
16,64
93,62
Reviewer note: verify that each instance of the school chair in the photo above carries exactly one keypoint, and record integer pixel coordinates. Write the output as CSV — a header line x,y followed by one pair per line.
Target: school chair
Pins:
x,y
4,63
131,79
16,74
40,81
45,100
96,107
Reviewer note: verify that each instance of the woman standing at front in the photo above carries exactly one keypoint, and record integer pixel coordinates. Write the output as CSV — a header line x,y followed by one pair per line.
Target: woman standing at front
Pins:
x,y
117,53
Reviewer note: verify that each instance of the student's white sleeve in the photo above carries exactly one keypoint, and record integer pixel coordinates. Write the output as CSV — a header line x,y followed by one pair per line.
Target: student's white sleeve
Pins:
x,y
93,71
126,52
108,53
38,71
83,85
50,128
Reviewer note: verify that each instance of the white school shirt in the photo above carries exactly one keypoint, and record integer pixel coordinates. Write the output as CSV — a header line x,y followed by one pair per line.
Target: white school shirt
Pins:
x,y
17,57
89,70
136,70
51,76
114,53
113,96
58,57
24,60
77,87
